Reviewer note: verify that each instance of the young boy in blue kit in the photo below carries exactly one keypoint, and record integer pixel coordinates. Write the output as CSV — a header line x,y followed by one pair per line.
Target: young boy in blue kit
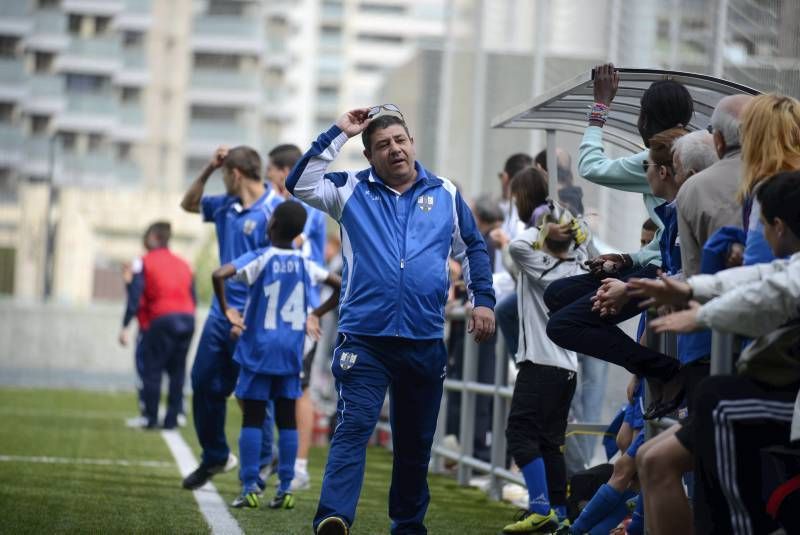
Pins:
x,y
270,348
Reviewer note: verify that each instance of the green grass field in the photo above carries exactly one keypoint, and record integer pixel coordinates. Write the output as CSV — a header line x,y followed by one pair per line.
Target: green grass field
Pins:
x,y
47,437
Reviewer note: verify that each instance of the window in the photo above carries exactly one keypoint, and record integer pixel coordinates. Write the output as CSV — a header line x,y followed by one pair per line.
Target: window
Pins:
x,y
74,24
130,94
69,140
48,4
368,67
6,111
39,124
102,25
84,83
380,38
383,9
8,46
213,113
95,142
216,61
132,39
225,7
43,62
124,151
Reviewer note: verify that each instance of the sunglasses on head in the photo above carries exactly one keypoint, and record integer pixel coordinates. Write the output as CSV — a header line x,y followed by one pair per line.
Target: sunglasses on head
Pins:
x,y
391,108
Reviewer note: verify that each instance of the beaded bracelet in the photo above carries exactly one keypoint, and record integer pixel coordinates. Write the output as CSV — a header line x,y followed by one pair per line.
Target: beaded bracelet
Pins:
x,y
598,113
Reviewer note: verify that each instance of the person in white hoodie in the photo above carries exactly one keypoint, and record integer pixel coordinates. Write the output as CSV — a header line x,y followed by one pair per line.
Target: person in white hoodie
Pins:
x,y
553,248
738,416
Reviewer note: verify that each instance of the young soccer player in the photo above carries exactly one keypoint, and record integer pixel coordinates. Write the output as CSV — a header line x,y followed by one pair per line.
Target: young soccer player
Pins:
x,y
270,347
553,247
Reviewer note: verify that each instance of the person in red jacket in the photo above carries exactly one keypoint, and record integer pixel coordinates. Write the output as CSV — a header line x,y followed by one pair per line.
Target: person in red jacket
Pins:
x,y
161,296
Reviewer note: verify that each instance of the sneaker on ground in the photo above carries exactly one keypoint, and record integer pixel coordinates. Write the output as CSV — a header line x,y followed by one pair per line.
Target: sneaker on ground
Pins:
x,y
301,481
527,522
282,500
203,473
136,422
246,499
333,525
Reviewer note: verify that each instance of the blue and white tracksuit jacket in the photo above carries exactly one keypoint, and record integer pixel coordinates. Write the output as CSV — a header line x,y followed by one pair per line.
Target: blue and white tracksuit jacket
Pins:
x,y
395,247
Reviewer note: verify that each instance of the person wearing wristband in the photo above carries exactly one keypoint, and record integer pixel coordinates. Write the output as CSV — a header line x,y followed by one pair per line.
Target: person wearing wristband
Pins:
x,y
573,324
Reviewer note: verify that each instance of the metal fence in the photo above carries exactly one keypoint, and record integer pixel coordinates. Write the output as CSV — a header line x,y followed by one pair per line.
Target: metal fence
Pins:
x,y
469,388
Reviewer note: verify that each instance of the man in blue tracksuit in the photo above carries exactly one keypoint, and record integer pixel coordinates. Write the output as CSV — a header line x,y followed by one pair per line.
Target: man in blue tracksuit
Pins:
x,y
240,217
399,225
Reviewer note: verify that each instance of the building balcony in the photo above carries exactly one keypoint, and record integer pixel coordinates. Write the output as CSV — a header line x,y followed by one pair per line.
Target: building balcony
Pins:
x,y
36,150
12,79
203,136
133,71
92,169
15,18
227,34
224,87
136,15
131,124
49,31
99,55
127,173
88,112
331,12
107,8
11,142
45,94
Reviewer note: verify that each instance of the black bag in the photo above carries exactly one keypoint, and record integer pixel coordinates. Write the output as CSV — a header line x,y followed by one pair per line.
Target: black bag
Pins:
x,y
583,485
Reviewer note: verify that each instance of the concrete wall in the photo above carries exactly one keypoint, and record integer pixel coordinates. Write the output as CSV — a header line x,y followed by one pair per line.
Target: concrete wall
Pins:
x,y
58,345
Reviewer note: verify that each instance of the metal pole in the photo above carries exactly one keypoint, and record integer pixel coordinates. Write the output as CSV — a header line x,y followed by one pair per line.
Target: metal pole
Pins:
x,y
552,164
718,44
721,353
674,34
540,45
445,90
479,124
499,418
614,18
49,239
467,424
437,461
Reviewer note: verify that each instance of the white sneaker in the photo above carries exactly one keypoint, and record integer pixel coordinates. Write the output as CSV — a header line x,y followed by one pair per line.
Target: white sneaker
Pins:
x,y
181,420
230,464
136,422
301,481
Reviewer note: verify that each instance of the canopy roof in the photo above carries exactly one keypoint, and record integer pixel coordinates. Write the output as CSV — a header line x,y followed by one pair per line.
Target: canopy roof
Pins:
x,y
565,107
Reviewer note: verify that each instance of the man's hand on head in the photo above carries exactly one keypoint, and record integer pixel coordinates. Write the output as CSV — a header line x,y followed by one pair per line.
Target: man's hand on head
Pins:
x,y
219,156
481,324
354,122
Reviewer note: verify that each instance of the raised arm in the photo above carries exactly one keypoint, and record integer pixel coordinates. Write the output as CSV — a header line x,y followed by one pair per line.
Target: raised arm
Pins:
x,y
308,179
191,199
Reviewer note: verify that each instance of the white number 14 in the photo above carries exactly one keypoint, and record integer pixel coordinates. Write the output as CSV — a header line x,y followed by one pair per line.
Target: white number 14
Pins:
x,y
292,311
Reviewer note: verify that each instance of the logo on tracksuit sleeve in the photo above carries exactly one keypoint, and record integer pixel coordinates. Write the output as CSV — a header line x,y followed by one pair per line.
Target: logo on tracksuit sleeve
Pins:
x,y
347,360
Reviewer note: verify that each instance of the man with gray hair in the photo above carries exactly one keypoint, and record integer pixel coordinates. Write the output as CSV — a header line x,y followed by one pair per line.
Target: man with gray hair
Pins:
x,y
707,202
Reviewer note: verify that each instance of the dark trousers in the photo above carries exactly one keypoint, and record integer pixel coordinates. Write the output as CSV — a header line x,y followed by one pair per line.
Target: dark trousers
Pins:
x,y
164,348
573,325
365,367
537,422
734,419
214,375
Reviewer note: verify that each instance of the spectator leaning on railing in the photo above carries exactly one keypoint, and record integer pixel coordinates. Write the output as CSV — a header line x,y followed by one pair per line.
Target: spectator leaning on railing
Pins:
x,y
737,416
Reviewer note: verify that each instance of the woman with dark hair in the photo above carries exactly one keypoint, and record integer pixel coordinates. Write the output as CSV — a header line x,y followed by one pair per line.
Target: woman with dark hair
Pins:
x,y
573,324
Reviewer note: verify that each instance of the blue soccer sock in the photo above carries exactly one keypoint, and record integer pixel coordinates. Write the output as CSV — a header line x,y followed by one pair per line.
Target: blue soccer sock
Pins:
x,y
561,512
287,453
636,527
536,481
249,451
615,516
602,503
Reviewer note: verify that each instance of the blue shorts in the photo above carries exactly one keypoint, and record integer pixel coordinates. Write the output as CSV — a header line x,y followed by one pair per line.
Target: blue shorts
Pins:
x,y
635,445
634,411
263,387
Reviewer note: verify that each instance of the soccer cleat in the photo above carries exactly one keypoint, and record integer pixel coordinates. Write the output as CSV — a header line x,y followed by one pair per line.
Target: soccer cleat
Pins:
x,y
301,481
528,522
246,499
563,529
203,473
333,525
282,500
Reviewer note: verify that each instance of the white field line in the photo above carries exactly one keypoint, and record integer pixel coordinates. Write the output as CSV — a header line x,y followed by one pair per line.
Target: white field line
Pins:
x,y
65,413
96,462
212,506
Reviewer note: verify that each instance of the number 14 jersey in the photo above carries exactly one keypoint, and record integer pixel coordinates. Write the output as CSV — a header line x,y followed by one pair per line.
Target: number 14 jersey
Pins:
x,y
275,314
